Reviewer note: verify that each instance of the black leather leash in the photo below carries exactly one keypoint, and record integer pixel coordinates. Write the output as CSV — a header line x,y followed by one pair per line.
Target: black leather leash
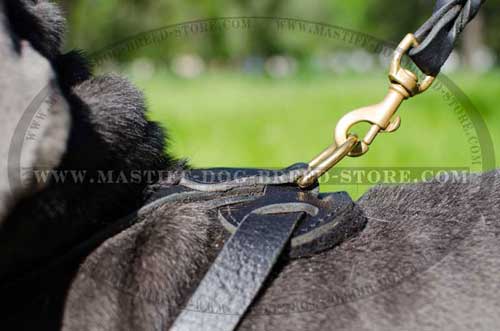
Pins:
x,y
437,36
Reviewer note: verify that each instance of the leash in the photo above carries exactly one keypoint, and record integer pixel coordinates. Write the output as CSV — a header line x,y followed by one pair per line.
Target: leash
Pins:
x,y
266,225
437,36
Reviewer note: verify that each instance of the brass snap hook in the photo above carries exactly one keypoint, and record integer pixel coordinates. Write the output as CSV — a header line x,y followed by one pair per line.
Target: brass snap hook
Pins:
x,y
378,115
404,84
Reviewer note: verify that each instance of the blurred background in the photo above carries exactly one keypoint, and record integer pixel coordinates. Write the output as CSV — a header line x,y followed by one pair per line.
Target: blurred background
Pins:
x,y
268,93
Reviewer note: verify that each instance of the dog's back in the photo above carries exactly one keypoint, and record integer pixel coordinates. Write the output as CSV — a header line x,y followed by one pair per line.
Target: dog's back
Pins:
x,y
427,260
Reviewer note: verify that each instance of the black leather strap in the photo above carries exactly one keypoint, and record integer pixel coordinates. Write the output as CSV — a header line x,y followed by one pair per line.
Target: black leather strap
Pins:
x,y
238,273
438,35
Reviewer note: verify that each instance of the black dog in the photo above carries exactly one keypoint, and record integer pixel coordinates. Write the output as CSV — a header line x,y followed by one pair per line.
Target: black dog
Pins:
x,y
107,130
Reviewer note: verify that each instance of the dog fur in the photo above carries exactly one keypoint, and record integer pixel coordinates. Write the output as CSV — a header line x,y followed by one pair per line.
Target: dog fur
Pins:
x,y
428,260
26,74
106,130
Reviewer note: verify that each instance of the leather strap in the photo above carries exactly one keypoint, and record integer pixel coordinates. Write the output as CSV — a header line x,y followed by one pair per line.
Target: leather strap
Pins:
x,y
238,273
437,36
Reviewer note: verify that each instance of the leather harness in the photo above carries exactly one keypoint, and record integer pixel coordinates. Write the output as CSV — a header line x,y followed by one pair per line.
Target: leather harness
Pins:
x,y
268,216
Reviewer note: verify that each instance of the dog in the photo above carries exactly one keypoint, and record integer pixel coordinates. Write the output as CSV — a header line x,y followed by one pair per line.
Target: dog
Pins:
x,y
428,258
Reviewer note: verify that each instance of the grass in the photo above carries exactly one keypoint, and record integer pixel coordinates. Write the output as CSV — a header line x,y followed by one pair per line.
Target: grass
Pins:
x,y
228,119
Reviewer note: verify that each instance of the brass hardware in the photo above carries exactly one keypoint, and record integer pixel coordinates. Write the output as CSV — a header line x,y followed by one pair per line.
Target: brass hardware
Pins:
x,y
403,84
378,115
326,160
402,76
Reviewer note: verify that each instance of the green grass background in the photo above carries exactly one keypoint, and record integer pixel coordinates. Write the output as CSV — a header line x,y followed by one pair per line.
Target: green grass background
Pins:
x,y
230,119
